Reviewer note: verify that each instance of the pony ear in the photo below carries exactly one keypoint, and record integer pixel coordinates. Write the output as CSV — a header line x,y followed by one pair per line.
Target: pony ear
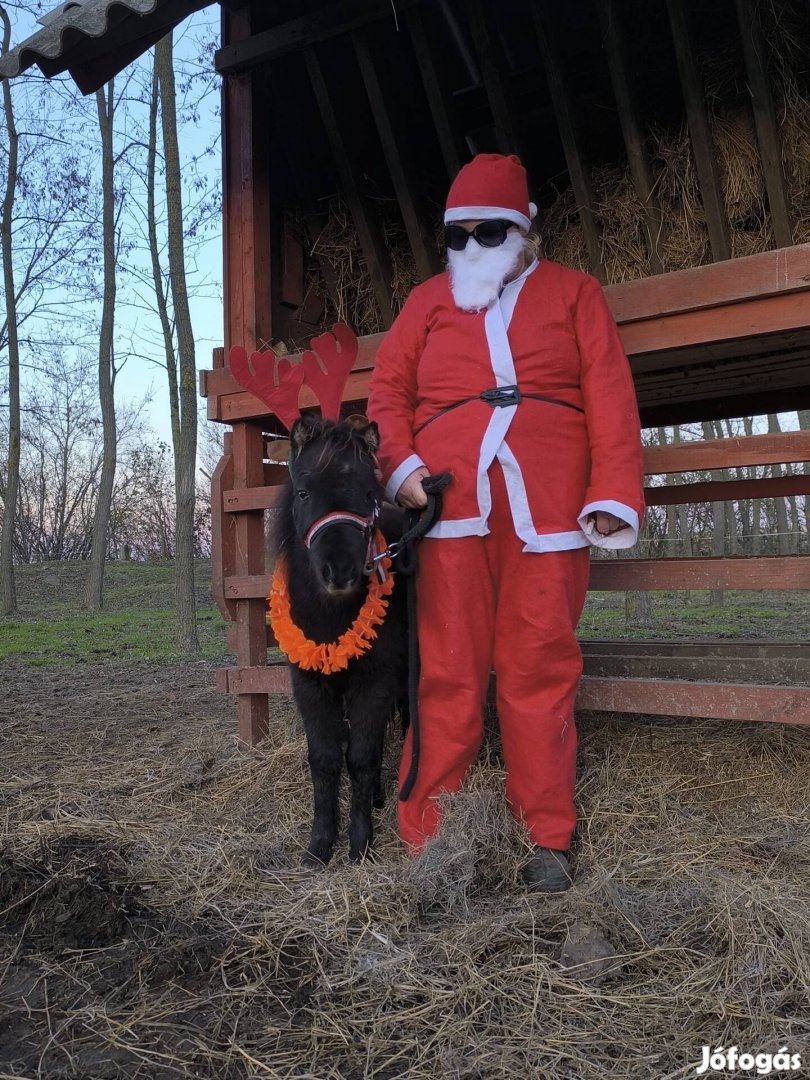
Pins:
x,y
301,432
370,434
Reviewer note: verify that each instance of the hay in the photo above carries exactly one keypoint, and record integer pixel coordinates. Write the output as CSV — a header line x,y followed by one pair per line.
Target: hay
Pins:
x,y
338,246
156,924
684,240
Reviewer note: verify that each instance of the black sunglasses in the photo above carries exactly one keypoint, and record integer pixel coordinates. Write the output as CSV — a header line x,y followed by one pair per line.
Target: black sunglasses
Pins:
x,y
488,234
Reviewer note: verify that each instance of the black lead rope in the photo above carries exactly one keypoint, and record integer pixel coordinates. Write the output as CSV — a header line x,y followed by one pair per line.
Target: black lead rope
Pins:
x,y
417,524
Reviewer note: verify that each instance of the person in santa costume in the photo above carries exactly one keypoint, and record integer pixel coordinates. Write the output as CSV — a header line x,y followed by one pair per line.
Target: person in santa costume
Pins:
x,y
507,372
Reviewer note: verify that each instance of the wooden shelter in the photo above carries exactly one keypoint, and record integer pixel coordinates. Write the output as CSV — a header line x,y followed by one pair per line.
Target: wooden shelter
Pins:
x,y
379,103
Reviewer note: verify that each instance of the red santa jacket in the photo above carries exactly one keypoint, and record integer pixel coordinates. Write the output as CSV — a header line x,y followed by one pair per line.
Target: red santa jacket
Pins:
x,y
573,449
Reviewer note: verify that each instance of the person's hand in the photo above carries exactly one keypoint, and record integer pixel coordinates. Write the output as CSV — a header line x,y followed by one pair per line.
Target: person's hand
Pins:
x,y
410,493
607,524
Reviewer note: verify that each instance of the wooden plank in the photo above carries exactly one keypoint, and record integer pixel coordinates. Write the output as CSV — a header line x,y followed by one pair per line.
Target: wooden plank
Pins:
x,y
765,487
766,316
745,572
295,34
223,382
439,102
233,407
273,678
777,449
491,64
414,212
714,408
707,667
719,701
223,532
762,649
616,54
366,222
565,112
770,151
699,132
750,278
256,498
656,697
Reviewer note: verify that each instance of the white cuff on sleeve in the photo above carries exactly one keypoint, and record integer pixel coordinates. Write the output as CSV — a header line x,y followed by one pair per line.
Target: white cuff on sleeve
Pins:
x,y
402,472
624,539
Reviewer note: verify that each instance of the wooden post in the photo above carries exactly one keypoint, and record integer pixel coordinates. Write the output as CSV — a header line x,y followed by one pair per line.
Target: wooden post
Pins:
x,y
568,125
616,53
770,150
251,623
699,133
246,241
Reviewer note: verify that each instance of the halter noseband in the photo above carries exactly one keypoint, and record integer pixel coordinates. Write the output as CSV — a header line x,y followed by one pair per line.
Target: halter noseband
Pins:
x,y
339,517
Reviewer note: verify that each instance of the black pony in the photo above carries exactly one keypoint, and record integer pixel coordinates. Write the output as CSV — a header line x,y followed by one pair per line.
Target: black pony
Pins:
x,y
327,517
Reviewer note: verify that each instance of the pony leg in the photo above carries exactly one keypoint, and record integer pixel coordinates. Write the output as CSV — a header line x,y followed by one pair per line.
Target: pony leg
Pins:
x,y
368,720
324,727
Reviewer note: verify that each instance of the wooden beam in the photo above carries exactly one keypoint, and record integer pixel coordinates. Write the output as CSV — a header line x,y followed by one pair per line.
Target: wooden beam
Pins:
x,y
565,112
746,572
614,44
717,701
699,132
296,34
770,149
365,220
491,64
414,212
439,102
655,697
766,487
255,498
777,449
753,277
770,315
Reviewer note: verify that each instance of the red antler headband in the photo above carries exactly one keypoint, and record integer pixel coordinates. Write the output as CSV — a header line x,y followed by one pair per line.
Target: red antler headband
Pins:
x,y
324,367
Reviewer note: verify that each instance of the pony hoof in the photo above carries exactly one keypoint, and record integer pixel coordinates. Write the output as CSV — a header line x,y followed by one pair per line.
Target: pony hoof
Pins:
x,y
311,861
361,856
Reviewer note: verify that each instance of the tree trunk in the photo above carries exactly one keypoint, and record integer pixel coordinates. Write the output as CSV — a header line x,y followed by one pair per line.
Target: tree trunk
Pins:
x,y
101,520
716,596
804,425
8,592
779,505
185,439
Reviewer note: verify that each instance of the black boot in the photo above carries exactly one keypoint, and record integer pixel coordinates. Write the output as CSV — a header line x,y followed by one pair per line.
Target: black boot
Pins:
x,y
547,871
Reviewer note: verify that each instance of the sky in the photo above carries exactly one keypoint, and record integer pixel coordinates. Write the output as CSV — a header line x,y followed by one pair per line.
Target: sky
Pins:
x,y
138,333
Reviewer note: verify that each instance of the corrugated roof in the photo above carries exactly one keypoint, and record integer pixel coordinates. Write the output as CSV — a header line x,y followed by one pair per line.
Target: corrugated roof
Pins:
x,y
95,39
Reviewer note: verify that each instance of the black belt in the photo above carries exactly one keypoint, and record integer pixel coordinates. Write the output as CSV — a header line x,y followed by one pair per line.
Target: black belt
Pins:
x,y
499,397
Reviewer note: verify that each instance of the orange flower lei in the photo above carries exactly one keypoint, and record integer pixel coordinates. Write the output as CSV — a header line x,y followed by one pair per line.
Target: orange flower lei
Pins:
x,y
334,655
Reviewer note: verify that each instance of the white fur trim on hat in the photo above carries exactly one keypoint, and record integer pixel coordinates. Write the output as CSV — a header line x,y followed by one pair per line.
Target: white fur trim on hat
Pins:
x,y
487,213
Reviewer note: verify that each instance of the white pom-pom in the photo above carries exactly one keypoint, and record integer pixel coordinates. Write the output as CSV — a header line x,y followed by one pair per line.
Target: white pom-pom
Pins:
x,y
532,210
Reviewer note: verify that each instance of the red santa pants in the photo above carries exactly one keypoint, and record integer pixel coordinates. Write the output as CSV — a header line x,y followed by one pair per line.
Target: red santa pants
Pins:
x,y
483,603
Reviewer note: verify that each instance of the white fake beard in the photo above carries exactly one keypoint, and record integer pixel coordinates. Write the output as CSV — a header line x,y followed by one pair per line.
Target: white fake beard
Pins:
x,y
477,274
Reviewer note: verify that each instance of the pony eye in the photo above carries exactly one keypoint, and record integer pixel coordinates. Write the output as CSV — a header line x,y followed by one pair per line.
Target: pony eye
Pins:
x,y
302,495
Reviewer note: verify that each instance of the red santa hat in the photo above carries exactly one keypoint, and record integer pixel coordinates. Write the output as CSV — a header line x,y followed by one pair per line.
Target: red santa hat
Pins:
x,y
491,186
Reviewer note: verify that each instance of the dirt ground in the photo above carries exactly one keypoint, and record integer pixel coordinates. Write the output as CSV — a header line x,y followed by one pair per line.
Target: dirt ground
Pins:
x,y
154,921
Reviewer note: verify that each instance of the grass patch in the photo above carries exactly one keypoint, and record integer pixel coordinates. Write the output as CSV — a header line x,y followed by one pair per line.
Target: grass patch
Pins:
x,y
147,634
138,619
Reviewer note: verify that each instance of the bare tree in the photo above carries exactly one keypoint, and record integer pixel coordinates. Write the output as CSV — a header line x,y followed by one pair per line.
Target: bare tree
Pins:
x,y
8,595
178,340
105,102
